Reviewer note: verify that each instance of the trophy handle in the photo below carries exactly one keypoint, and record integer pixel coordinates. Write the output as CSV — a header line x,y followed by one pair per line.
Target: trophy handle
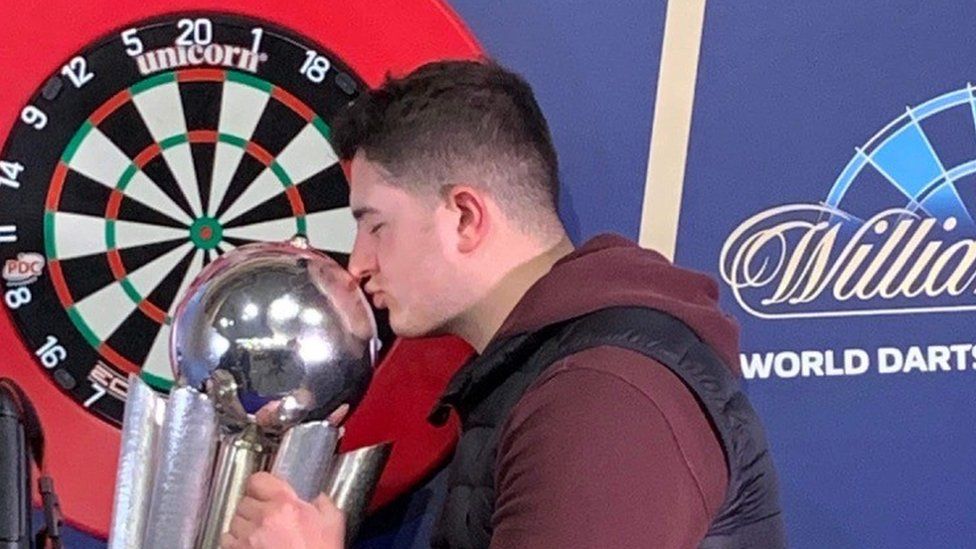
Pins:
x,y
142,422
184,462
305,457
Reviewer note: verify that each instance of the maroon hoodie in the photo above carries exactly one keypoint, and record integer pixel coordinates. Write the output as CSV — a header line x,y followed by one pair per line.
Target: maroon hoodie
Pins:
x,y
608,448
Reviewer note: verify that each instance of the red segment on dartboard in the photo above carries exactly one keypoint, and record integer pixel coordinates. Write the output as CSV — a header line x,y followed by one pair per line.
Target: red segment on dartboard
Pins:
x,y
77,87
200,75
109,107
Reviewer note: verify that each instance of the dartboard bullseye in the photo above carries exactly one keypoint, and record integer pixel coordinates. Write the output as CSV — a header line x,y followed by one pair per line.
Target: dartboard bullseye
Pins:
x,y
148,155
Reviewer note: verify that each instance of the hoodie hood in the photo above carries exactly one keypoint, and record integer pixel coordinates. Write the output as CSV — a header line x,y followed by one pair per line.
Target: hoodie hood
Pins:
x,y
610,271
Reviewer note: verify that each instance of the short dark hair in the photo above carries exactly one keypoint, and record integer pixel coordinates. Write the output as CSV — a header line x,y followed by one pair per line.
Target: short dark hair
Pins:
x,y
451,119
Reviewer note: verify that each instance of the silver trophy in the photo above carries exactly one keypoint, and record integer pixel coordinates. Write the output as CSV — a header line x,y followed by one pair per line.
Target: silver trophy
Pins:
x,y
268,341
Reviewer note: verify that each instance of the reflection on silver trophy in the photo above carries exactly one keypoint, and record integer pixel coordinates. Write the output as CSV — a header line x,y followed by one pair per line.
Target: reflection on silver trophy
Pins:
x,y
268,341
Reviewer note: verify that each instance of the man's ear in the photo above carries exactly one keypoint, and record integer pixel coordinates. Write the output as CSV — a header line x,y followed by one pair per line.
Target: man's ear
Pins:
x,y
473,223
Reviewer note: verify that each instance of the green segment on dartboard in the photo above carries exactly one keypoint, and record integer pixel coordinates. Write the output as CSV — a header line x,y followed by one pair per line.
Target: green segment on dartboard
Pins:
x,y
323,128
83,327
247,79
152,82
173,141
206,233
155,381
281,174
130,290
127,176
110,233
232,140
79,136
50,248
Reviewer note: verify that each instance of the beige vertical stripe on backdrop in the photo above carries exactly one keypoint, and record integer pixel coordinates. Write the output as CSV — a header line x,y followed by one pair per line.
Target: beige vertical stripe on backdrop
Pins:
x,y
672,124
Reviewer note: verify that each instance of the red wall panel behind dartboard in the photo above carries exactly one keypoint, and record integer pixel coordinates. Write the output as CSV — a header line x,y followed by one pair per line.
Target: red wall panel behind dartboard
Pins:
x,y
373,38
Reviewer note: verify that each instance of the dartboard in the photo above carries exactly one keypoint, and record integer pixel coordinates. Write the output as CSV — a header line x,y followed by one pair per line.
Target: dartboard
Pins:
x,y
137,148
130,177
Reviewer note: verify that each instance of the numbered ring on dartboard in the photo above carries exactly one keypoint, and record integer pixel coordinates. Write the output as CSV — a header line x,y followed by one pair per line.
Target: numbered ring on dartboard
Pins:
x,y
124,179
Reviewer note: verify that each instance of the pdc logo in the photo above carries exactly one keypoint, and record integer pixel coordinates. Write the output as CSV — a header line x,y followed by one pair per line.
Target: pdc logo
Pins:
x,y
26,268
894,235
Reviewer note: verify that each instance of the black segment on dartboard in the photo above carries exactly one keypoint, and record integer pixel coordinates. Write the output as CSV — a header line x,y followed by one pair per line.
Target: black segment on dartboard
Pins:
x,y
159,172
133,210
87,274
164,294
277,127
83,195
201,110
326,190
127,130
247,169
201,104
203,161
135,257
134,336
273,208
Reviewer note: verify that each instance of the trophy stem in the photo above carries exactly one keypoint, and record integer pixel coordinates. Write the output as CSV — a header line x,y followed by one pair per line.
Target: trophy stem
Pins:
x,y
353,480
239,456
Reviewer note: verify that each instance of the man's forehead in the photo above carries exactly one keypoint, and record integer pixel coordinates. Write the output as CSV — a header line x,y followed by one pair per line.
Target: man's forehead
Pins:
x,y
362,168
367,197
363,180
372,189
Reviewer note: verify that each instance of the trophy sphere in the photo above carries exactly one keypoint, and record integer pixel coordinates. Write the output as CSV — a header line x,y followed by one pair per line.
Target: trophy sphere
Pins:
x,y
275,330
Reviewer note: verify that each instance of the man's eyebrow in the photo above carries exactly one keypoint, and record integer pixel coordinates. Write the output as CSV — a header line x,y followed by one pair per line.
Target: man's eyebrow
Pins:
x,y
358,213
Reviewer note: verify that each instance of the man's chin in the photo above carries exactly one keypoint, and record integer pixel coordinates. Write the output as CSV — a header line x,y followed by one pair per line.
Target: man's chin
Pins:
x,y
410,333
413,331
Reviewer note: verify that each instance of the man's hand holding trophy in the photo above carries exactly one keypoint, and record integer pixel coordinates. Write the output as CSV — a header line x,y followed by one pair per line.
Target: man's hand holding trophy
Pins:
x,y
271,347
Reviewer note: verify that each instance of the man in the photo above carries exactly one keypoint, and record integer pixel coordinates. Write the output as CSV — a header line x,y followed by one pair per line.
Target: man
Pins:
x,y
601,409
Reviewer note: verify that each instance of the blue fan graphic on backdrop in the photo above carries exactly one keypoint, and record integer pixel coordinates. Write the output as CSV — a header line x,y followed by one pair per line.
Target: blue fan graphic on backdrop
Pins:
x,y
927,156
895,234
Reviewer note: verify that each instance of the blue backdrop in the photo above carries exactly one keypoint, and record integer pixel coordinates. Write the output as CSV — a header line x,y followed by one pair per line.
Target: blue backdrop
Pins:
x,y
785,92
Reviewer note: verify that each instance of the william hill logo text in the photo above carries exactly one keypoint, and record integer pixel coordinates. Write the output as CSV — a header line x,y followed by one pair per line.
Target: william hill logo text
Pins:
x,y
807,260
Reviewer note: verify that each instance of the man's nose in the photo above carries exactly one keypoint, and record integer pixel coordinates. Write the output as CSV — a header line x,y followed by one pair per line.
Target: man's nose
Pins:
x,y
361,260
